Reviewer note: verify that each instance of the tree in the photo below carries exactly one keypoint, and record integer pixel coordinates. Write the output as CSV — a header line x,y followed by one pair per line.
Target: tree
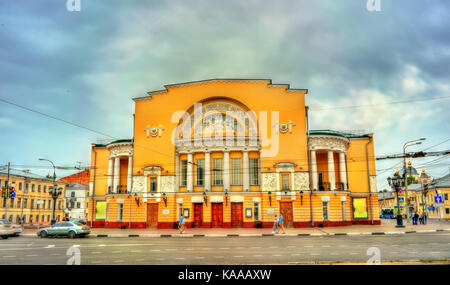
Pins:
x,y
411,180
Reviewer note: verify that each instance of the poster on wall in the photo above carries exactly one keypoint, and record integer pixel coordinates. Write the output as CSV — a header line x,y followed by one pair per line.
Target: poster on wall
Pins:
x,y
100,210
360,208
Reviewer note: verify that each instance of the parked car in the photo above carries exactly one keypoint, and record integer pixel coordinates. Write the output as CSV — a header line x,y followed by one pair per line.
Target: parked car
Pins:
x,y
70,229
6,230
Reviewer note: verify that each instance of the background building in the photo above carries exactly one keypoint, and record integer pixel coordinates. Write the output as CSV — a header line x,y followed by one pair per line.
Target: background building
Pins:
x,y
76,199
31,190
231,153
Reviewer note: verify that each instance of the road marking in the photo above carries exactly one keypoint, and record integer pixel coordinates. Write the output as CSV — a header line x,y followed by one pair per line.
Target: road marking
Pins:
x,y
155,250
307,246
188,249
334,253
315,253
159,258
435,252
95,252
76,245
50,246
7,256
170,249
101,245
55,254
31,255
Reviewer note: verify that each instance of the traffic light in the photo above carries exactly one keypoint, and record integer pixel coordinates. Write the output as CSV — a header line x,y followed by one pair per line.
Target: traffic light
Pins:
x,y
425,188
11,193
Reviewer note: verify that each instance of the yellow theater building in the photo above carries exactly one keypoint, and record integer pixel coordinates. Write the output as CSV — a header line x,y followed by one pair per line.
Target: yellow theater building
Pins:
x,y
231,153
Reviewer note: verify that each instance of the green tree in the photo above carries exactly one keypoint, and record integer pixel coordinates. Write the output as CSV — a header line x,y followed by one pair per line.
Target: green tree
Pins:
x,y
411,180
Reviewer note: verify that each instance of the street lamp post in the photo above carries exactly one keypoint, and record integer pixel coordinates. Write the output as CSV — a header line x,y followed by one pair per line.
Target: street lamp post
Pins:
x,y
54,191
396,182
405,145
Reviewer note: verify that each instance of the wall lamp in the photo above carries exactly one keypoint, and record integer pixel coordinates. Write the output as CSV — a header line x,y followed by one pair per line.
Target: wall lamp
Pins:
x,y
226,197
205,198
165,199
137,199
301,198
270,198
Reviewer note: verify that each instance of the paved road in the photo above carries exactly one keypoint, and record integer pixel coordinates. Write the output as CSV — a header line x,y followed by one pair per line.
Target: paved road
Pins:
x,y
231,250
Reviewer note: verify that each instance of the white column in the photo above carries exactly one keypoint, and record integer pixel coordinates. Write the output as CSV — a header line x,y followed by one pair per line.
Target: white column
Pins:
x,y
314,170
245,169
177,171
116,174
226,170
331,176
110,173
130,173
208,171
190,173
343,170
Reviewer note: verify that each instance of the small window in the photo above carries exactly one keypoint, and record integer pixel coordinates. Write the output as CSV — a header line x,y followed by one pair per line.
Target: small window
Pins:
x,y
39,188
45,189
447,210
325,211
285,181
32,187
446,197
256,211
72,194
217,171
153,184
119,212
20,186
183,181
200,172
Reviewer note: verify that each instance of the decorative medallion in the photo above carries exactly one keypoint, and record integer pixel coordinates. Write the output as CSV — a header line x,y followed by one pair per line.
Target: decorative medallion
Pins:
x,y
285,127
155,131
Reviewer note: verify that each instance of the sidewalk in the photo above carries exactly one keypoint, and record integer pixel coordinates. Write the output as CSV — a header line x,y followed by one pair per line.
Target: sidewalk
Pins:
x,y
386,227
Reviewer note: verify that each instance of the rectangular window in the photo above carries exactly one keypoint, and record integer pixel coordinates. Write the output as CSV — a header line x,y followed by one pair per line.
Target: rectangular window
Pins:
x,y
39,188
119,212
32,204
200,171
285,181
20,186
19,205
43,204
445,196
217,171
72,194
27,186
325,211
183,181
254,171
32,187
447,210
11,204
153,184
256,211
45,189
343,210
236,170
78,205
25,203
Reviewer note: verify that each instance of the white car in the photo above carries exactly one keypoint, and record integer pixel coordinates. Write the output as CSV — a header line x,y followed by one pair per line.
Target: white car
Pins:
x,y
6,230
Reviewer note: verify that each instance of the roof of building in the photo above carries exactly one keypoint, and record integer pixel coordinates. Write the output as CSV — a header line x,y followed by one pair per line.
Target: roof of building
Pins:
x,y
113,142
25,174
443,181
414,187
385,195
338,133
76,186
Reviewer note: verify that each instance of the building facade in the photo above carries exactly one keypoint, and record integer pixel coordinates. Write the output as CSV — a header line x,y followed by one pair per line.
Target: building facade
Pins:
x,y
231,153
76,199
32,203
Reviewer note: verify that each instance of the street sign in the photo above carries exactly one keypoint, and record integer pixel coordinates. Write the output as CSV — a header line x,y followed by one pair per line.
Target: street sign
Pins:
x,y
438,199
401,199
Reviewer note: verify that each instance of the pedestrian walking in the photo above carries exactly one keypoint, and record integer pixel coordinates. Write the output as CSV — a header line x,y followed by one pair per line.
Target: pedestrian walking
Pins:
x,y
281,223
414,219
421,218
181,224
275,225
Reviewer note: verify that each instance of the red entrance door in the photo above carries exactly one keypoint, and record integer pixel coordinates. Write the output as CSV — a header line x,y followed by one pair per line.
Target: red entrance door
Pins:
x,y
236,215
198,215
152,215
217,215
286,211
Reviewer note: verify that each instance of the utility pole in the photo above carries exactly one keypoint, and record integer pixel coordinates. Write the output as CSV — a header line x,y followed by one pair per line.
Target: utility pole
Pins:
x,y
7,193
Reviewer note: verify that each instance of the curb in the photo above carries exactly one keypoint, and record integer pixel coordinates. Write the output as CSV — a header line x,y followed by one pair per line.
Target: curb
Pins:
x,y
250,235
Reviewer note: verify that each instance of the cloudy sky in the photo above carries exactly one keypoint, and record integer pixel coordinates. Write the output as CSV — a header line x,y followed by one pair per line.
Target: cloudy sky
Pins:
x,y
84,67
